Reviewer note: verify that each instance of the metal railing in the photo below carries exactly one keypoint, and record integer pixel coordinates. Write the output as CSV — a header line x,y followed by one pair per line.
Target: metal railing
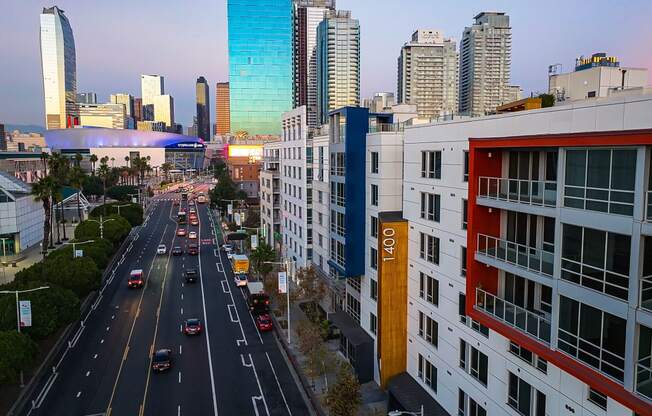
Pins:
x,y
648,206
386,127
338,200
646,293
525,257
609,364
644,376
338,170
614,201
522,191
515,316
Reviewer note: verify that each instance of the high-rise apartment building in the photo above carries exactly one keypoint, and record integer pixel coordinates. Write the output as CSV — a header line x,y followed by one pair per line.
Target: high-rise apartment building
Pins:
x,y
338,63
203,109
164,109
151,86
427,74
59,69
3,137
381,102
485,63
87,98
126,99
138,109
260,64
307,16
222,108
270,195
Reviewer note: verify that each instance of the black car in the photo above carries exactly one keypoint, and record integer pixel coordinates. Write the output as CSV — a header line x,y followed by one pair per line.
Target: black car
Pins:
x,y
190,275
162,360
177,251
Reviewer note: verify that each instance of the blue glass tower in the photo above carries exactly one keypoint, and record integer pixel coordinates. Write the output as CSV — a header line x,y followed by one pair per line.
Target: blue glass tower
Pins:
x,y
260,64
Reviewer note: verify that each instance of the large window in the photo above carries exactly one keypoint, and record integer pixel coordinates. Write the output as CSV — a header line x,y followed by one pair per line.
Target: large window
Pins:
x,y
374,226
429,248
374,195
428,288
337,223
596,259
593,336
353,307
337,252
529,357
428,329
430,206
337,193
465,214
373,289
468,406
474,362
373,258
466,320
374,162
431,164
428,373
601,180
465,177
525,399
373,323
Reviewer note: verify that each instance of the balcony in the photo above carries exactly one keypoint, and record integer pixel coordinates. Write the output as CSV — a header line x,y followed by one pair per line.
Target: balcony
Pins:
x,y
337,170
648,208
644,376
530,323
646,293
528,258
386,128
537,193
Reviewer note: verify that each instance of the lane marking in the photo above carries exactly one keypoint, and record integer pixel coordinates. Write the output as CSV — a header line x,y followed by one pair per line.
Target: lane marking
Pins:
x,y
278,384
230,308
88,373
181,311
78,394
46,390
225,286
180,349
95,356
260,389
179,377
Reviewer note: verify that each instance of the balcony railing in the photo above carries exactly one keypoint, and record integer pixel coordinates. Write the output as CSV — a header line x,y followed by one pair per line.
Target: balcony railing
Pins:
x,y
528,258
386,127
540,193
515,316
648,209
646,293
337,200
338,170
644,376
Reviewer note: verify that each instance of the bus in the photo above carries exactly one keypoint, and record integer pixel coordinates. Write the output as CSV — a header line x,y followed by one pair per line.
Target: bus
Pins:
x,y
182,217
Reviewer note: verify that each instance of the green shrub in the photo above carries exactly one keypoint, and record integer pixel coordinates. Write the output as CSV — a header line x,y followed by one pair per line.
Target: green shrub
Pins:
x,y
16,353
121,192
132,213
100,250
114,231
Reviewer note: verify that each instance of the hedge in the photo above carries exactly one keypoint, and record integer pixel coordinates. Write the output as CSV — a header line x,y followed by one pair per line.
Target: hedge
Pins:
x,y
132,212
115,231
16,353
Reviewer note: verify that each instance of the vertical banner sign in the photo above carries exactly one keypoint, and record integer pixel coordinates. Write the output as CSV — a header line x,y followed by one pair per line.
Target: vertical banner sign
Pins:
x,y
229,209
254,242
282,282
25,308
236,217
79,253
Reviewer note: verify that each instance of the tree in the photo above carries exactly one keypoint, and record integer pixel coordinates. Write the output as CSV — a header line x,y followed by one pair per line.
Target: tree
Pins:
x,y
104,172
17,352
252,218
77,177
122,192
311,290
131,212
44,160
92,185
81,275
42,191
311,345
344,397
78,159
99,250
261,257
547,100
114,231
93,160
166,167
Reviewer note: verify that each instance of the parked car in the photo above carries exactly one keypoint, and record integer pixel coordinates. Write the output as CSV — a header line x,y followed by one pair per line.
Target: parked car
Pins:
x,y
264,322
240,279
162,360
227,247
192,327
161,249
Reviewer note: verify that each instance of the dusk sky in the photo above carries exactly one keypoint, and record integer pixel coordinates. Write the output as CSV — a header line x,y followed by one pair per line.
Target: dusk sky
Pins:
x,y
118,40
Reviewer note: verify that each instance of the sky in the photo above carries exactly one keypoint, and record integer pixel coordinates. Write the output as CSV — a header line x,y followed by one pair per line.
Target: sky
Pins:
x,y
118,40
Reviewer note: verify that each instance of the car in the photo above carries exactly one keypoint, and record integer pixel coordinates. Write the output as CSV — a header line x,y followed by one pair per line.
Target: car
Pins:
x,y
194,221
181,232
191,203
190,275
161,249
135,278
193,210
264,322
193,249
229,255
192,235
227,247
162,360
192,327
177,251
240,279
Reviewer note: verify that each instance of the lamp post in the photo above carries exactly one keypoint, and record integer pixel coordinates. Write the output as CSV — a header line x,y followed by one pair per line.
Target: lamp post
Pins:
x,y
101,222
286,264
78,244
16,292
121,206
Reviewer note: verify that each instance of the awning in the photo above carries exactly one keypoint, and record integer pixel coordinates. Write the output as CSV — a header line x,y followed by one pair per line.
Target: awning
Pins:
x,y
411,396
350,329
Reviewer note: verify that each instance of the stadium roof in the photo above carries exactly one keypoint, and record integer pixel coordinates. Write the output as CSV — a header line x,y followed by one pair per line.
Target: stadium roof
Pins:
x,y
92,137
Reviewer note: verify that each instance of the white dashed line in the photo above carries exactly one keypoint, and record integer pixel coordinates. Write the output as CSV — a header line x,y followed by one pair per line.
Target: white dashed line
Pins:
x,y
179,377
88,373
95,356
78,394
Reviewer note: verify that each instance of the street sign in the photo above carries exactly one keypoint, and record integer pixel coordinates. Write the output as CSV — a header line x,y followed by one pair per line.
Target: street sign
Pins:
x,y
229,209
134,200
79,253
236,218
254,241
282,282
25,308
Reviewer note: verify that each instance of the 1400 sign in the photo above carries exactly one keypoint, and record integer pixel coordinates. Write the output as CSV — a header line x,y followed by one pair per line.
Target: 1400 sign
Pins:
x,y
389,243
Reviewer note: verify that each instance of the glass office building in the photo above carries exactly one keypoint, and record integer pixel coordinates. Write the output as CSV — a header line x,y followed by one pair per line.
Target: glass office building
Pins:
x,y
260,64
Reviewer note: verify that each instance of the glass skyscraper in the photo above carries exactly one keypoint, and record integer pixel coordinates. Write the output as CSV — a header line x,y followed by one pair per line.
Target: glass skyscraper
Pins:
x,y
260,64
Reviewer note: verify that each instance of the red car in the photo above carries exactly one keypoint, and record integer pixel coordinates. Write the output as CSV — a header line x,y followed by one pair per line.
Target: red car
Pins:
x,y
194,221
264,322
192,327
193,249
135,278
181,232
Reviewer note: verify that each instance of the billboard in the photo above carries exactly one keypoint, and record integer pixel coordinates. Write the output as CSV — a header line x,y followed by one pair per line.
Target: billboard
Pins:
x,y
25,308
254,151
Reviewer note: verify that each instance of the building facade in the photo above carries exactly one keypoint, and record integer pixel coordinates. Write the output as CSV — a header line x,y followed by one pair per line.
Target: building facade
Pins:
x,y
485,64
270,195
87,98
151,86
203,109
338,63
381,102
260,64
222,108
112,116
21,217
126,99
59,69
164,110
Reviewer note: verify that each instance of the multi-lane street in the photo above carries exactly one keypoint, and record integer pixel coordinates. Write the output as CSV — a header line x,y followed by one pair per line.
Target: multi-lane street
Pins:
x,y
229,369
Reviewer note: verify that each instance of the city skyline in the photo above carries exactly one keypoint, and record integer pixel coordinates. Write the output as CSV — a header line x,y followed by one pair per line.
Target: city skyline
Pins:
x,y
98,72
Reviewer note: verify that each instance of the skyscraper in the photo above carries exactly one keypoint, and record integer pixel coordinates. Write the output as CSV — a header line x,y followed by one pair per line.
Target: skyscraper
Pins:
x,y
203,109
59,69
150,87
260,64
338,62
485,61
381,102
138,109
86,98
222,108
427,74
307,16
126,99
164,109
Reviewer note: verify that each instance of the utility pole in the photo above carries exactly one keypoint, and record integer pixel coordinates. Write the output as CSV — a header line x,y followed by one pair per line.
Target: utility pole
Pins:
x,y
101,222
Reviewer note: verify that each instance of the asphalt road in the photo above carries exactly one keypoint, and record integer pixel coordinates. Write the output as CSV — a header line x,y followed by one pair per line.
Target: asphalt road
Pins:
x,y
230,369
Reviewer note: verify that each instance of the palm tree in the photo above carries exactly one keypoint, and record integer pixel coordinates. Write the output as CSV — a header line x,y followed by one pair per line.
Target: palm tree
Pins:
x,y
59,168
104,173
44,159
78,159
77,177
112,162
93,159
42,191
166,167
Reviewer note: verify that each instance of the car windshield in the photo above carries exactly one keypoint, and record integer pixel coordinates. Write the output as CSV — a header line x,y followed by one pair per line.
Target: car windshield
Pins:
x,y
161,356
161,246
191,271
193,322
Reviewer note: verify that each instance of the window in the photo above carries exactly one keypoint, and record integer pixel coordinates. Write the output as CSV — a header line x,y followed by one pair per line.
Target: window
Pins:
x,y
320,197
596,259
373,258
594,337
429,288
463,261
430,206
373,289
337,252
465,177
465,214
431,164
353,307
429,248
374,195
473,362
374,162
468,406
428,329
355,283
373,323
529,357
597,399
471,323
427,373
525,399
374,226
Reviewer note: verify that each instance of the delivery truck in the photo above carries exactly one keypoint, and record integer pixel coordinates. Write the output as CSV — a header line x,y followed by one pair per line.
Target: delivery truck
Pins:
x,y
240,264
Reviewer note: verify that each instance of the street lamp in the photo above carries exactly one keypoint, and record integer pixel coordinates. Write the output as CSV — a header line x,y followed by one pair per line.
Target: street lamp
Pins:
x,y
101,222
121,206
16,292
78,244
286,264
402,412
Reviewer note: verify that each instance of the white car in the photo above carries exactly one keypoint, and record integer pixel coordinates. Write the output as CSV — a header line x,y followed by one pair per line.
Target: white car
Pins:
x,y
227,247
192,235
161,249
240,279
229,255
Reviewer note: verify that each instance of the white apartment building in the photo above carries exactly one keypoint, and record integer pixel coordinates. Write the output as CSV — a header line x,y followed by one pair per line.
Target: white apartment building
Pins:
x,y
427,74
270,194
296,181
